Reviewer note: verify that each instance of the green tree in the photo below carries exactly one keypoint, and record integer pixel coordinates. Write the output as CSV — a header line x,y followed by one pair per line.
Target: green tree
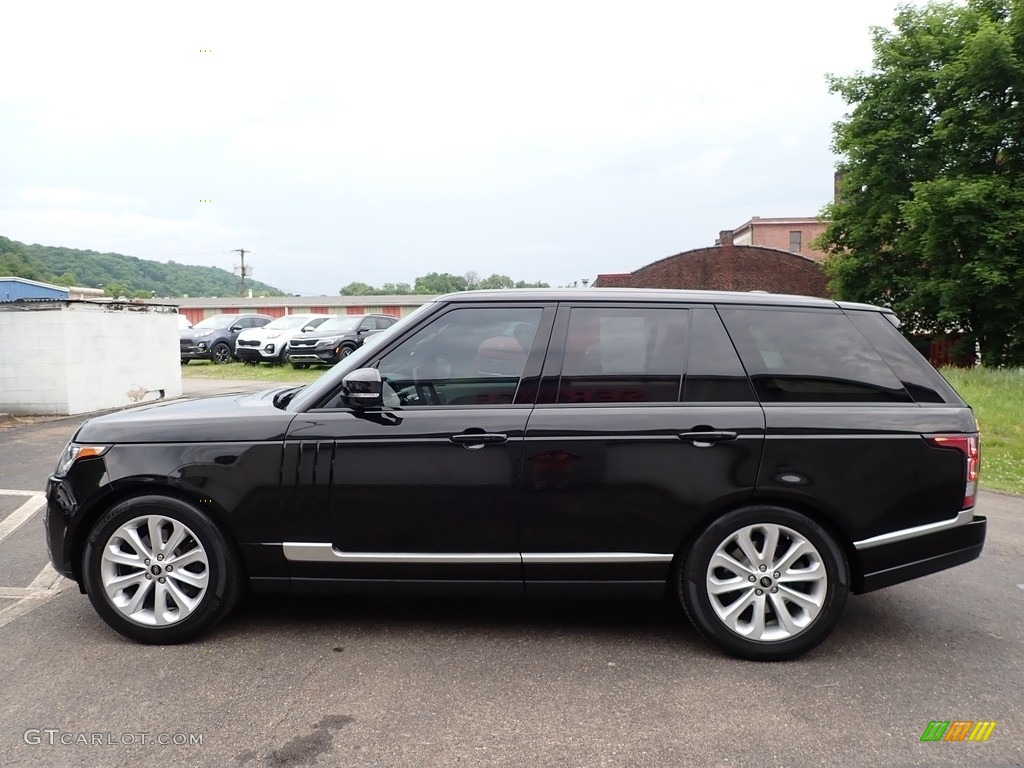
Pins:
x,y
359,289
435,283
524,284
929,215
496,281
396,289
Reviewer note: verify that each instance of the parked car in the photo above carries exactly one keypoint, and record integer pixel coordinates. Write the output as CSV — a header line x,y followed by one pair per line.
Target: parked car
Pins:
x,y
336,339
269,344
756,457
213,338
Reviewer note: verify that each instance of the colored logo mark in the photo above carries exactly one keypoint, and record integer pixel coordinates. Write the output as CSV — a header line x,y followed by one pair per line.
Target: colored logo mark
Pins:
x,y
958,730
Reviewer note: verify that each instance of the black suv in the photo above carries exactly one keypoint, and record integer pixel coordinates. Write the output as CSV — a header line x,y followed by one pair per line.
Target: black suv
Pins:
x,y
213,338
336,339
757,457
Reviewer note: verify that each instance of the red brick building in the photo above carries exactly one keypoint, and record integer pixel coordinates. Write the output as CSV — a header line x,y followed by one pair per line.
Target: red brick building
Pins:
x,y
727,267
787,234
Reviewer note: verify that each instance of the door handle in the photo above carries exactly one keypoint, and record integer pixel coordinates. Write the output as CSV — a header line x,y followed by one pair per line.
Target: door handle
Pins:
x,y
474,440
707,439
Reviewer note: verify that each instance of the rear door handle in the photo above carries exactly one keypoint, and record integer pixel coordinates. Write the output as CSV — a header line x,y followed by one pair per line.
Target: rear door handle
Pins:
x,y
707,439
475,440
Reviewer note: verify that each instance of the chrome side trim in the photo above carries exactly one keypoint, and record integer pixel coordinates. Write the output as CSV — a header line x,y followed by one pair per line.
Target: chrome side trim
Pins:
x,y
965,516
305,552
536,558
314,552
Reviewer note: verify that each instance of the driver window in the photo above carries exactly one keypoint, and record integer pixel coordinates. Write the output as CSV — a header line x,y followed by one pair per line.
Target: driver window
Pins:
x,y
468,356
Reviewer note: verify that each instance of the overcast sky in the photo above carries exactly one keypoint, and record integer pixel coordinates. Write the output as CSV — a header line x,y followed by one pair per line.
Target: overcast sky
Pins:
x,y
379,141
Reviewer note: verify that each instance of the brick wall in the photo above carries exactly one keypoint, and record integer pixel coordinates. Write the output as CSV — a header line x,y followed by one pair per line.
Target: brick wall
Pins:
x,y
727,268
776,235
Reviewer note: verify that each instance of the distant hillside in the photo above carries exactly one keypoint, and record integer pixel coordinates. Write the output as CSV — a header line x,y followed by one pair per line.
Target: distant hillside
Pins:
x,y
119,275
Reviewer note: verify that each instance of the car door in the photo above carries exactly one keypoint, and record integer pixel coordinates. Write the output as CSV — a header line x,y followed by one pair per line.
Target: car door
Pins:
x,y
426,487
624,455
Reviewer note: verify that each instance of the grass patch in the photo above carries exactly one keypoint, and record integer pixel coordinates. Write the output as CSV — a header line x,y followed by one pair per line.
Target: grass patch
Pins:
x,y
205,369
997,397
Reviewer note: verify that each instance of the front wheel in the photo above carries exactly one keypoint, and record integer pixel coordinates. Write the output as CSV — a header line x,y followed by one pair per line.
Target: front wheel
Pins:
x,y
158,570
221,353
764,583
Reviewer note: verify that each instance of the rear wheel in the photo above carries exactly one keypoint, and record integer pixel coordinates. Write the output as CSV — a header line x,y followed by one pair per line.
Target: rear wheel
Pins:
x,y
764,583
158,570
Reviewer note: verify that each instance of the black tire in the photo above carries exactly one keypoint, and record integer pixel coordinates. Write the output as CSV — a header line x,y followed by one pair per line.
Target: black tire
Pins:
x,y
300,366
221,353
345,351
792,604
184,361
203,590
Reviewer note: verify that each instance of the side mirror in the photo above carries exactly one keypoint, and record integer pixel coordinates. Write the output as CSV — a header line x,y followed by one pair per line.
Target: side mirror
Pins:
x,y
235,328
363,388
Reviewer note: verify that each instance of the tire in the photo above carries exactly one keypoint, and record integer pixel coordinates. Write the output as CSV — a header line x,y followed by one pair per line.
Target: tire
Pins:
x,y
345,351
300,366
795,599
221,353
124,573
184,361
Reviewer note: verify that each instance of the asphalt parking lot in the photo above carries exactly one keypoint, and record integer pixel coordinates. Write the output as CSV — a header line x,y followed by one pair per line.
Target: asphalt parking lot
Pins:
x,y
379,682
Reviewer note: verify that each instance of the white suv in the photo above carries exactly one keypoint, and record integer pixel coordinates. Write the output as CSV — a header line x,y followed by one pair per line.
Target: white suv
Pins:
x,y
270,343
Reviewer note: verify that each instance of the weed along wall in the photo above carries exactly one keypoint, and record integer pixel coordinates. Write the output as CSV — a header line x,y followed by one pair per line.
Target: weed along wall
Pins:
x,y
65,358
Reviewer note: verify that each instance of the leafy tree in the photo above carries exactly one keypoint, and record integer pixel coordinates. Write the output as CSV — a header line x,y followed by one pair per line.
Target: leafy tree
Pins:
x,y
435,283
359,289
496,281
524,284
929,215
396,289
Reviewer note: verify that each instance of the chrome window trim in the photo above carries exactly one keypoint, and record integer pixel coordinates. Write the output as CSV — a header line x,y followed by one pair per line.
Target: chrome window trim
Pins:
x,y
316,552
965,516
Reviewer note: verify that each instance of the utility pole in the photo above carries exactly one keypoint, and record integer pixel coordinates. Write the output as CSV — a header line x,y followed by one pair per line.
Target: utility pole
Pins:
x,y
243,272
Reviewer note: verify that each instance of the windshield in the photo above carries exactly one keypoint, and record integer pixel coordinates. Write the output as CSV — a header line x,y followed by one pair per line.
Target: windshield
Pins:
x,y
341,323
287,322
217,321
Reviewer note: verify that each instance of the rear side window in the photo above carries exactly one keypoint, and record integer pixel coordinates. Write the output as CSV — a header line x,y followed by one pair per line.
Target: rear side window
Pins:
x,y
713,370
623,355
810,357
922,381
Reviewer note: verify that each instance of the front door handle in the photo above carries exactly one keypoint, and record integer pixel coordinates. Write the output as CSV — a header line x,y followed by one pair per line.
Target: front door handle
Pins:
x,y
707,439
476,440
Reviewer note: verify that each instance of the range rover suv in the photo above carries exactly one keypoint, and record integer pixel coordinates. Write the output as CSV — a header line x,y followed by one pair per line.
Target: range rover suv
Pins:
x,y
756,457
336,339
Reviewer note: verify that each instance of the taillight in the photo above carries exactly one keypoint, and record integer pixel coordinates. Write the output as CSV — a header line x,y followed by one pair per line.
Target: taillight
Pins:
x,y
969,447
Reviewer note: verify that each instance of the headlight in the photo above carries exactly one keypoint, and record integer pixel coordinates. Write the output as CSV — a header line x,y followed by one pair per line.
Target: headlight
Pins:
x,y
328,342
272,335
73,452
200,334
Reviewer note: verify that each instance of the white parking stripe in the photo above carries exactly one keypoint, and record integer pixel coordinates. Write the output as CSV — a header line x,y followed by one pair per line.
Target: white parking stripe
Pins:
x,y
13,521
9,492
47,584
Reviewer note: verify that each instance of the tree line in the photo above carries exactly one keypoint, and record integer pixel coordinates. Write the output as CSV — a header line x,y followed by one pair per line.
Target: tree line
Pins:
x,y
119,275
436,283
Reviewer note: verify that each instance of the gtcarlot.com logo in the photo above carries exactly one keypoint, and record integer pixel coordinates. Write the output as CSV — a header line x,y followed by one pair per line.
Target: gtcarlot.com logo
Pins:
x,y
958,730
55,737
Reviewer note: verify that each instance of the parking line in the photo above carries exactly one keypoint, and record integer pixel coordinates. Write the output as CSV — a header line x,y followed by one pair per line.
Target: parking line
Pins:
x,y
47,584
13,521
10,492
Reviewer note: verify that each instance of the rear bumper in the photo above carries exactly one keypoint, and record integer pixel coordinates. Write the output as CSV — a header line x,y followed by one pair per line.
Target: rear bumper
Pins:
x,y
888,564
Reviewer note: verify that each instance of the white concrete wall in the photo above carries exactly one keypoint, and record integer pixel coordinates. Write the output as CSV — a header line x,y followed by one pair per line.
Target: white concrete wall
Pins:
x,y
83,358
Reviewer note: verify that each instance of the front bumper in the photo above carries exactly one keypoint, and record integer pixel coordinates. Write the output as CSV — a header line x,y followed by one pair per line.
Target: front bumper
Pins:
x,y
265,352
198,351
888,564
60,506
328,356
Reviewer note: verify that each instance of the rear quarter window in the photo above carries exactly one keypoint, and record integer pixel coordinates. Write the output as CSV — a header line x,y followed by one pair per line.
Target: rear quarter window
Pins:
x,y
801,356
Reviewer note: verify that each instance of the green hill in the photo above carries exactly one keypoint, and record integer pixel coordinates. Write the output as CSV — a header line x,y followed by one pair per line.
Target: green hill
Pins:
x,y
119,275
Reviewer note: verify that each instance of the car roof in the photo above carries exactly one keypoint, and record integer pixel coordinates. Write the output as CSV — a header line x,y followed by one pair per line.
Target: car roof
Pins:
x,y
760,298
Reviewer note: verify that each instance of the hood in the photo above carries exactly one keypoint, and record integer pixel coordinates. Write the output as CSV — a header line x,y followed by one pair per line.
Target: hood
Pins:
x,y
221,418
